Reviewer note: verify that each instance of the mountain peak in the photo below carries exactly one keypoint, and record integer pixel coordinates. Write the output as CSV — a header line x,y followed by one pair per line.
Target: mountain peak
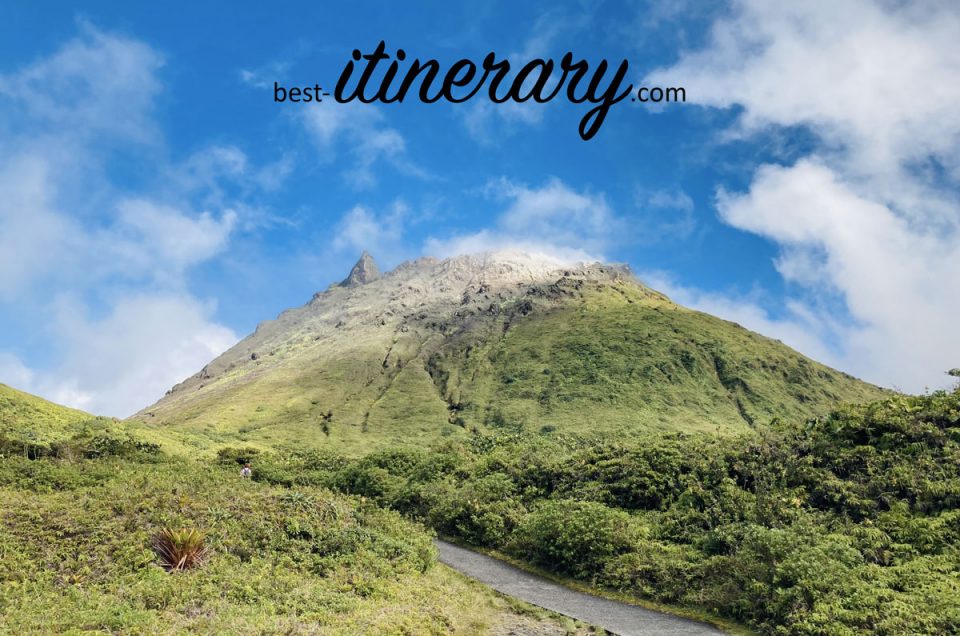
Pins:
x,y
365,271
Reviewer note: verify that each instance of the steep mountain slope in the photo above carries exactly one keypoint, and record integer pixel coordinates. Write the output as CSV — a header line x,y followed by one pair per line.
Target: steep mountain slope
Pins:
x,y
28,417
490,341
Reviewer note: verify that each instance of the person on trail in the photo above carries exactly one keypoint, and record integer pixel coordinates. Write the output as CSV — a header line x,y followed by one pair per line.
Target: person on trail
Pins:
x,y
246,472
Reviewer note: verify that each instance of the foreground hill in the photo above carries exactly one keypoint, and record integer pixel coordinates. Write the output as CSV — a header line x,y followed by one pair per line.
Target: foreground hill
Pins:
x,y
495,341
78,558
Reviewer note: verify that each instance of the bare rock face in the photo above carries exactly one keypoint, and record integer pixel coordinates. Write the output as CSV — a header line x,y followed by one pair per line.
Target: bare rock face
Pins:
x,y
365,271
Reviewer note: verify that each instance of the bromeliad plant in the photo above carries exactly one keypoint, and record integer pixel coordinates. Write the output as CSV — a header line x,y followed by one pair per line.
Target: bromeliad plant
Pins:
x,y
179,550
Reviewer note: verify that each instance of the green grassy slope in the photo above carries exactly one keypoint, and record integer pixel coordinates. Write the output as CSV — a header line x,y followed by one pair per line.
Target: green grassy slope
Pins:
x,y
76,557
578,355
617,360
28,417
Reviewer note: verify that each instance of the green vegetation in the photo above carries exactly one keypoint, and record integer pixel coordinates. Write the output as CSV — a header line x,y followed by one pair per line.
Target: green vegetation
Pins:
x,y
90,528
29,418
579,356
847,524
588,426
621,359
182,549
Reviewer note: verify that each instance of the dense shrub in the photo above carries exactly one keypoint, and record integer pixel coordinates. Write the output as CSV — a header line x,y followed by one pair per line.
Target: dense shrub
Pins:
x,y
846,524
239,456
573,537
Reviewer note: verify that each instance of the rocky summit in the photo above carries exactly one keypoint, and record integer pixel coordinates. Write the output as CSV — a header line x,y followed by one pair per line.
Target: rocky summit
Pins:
x,y
497,341
365,271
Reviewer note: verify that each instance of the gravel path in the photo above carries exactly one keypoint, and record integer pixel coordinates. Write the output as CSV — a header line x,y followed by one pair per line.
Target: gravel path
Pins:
x,y
613,616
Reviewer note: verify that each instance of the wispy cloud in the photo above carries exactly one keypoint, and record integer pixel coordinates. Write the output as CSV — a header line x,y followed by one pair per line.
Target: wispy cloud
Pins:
x,y
551,219
872,215
664,215
362,133
263,77
106,268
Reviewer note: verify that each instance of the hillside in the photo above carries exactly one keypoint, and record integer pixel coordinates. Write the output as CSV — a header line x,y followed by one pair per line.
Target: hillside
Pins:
x,y
77,556
844,524
27,417
496,341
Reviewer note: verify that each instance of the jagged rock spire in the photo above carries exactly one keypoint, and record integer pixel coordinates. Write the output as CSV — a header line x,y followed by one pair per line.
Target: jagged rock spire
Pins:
x,y
365,271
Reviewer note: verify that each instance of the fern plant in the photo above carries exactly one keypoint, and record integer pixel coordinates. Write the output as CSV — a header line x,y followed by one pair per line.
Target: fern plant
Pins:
x,y
179,550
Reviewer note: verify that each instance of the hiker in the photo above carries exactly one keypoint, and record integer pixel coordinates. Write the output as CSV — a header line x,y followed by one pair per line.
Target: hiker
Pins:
x,y
246,472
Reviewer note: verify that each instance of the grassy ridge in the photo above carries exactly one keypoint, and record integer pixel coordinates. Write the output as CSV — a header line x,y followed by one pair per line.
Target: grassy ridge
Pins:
x,y
24,415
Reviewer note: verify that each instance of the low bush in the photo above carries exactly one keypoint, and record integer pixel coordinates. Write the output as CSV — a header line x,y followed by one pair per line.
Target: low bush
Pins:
x,y
846,524
182,549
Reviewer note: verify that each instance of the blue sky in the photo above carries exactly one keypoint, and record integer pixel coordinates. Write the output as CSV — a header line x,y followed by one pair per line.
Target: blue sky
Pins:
x,y
155,204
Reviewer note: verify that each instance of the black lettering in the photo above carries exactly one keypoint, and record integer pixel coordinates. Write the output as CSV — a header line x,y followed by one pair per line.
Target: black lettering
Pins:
x,y
592,121
359,92
432,67
461,83
579,70
501,69
451,80
344,78
535,91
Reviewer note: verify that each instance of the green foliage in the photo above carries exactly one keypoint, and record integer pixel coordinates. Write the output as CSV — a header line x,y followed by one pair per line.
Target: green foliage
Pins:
x,y
29,415
845,524
240,456
576,537
80,540
181,549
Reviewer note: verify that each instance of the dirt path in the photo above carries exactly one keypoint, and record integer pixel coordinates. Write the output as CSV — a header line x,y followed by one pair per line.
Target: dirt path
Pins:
x,y
613,616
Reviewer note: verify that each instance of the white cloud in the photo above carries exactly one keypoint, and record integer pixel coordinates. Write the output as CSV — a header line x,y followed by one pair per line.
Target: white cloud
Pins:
x,y
359,130
489,123
876,79
381,234
15,373
43,243
485,241
73,244
553,219
899,281
118,364
873,215
97,85
149,235
34,238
